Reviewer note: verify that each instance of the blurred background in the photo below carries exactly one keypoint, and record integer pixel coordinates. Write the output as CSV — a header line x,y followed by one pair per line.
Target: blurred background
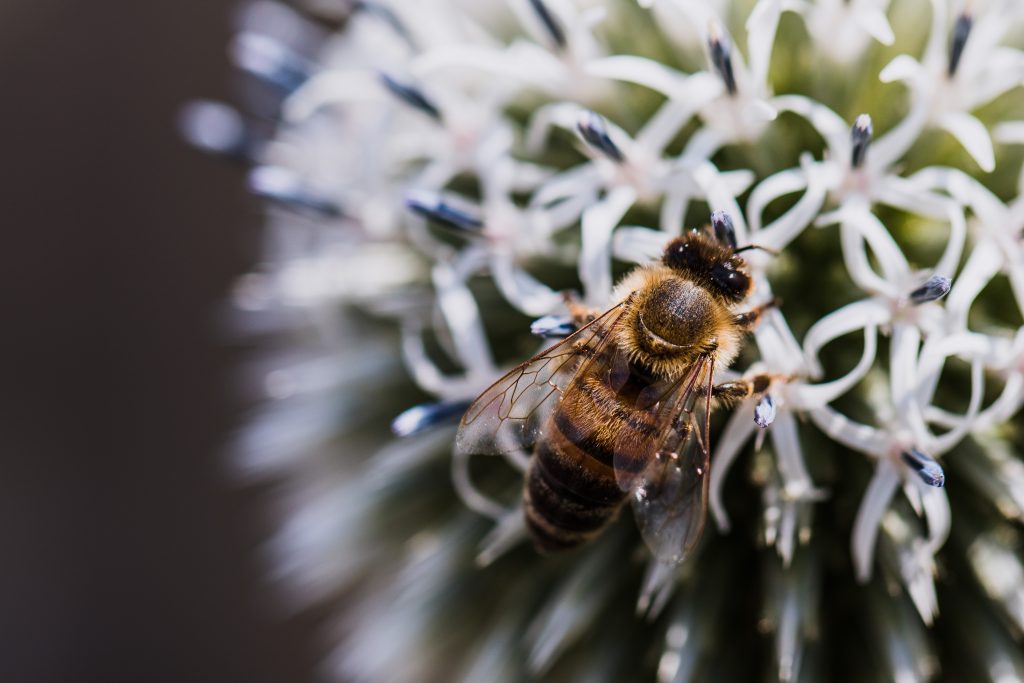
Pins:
x,y
127,553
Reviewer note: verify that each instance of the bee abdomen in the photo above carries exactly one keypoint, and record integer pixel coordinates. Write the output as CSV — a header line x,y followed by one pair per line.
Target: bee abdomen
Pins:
x,y
557,517
572,491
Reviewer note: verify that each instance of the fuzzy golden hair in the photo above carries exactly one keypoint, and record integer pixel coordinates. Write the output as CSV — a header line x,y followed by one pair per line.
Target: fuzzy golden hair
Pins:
x,y
670,320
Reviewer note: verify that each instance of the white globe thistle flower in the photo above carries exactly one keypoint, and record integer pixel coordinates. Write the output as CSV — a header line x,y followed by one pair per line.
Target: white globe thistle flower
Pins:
x,y
442,173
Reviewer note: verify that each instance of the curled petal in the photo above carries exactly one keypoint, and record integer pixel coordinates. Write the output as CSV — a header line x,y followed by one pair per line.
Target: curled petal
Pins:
x,y
832,128
780,232
462,317
728,446
1009,133
938,516
855,316
761,28
876,24
853,435
944,443
795,478
982,265
770,189
595,257
869,517
811,396
522,290
639,245
972,134
901,68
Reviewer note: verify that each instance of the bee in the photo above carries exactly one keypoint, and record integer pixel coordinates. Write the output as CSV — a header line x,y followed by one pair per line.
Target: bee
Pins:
x,y
620,409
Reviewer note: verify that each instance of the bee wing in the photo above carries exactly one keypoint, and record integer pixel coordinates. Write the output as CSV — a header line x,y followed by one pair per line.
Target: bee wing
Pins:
x,y
667,474
511,413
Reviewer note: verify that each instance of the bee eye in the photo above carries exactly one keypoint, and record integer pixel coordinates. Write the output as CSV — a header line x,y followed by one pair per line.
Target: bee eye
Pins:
x,y
731,283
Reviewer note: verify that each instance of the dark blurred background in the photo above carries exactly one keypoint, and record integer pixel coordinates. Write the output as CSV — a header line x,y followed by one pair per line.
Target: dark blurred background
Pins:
x,y
126,552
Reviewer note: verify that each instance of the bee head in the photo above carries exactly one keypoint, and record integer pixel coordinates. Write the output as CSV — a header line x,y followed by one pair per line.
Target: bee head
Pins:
x,y
710,263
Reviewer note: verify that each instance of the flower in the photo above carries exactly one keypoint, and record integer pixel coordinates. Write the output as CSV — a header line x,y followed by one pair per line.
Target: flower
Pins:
x,y
442,173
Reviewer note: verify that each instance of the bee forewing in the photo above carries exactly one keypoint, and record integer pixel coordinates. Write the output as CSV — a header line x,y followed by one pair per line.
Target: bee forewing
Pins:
x,y
667,476
512,413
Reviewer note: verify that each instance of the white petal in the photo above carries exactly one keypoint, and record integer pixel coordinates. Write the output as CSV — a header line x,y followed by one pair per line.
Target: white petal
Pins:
x,y
972,134
814,395
1010,400
1009,132
580,180
330,88
558,115
982,265
423,369
888,254
789,225
636,244
869,517
771,188
462,318
595,256
887,149
903,348
673,212
790,458
875,23
663,127
761,28
738,181
937,513
522,290
570,609
858,265
902,68
736,433
506,534
460,57
831,126
763,111
946,442
720,198
853,435
855,316
470,495
642,71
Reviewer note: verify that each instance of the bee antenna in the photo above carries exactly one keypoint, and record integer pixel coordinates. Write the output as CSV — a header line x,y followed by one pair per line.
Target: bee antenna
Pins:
x,y
748,247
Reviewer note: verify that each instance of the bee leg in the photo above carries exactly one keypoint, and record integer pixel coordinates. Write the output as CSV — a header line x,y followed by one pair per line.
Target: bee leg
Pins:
x,y
581,315
747,321
737,390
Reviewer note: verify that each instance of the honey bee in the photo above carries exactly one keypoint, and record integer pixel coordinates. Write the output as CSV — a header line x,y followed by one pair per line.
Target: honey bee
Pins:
x,y
620,408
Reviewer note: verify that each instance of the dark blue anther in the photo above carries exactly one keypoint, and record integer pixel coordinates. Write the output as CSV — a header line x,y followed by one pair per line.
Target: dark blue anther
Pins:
x,y
593,130
433,206
218,129
284,186
271,61
933,290
385,14
765,411
961,31
411,95
721,57
427,415
551,24
925,467
553,326
860,139
725,232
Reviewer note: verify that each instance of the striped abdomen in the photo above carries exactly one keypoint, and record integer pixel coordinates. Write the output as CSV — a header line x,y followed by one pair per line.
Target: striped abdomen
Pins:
x,y
571,490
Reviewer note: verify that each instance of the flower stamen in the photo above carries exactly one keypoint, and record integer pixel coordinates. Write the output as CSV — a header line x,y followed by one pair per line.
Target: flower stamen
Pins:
x,y
860,137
